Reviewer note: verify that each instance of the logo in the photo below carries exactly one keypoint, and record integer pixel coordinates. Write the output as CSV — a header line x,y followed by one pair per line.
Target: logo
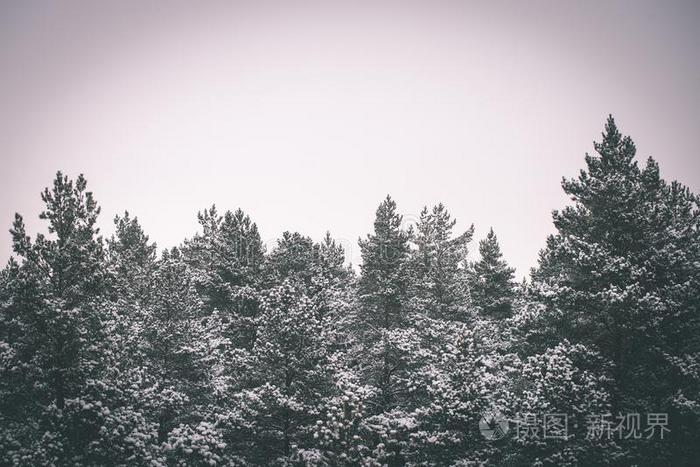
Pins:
x,y
493,425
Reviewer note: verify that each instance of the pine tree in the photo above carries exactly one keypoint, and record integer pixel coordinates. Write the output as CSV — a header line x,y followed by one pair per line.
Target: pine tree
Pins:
x,y
492,280
383,301
288,377
317,268
131,259
228,256
385,265
621,276
334,283
439,285
565,379
58,281
244,244
293,258
51,323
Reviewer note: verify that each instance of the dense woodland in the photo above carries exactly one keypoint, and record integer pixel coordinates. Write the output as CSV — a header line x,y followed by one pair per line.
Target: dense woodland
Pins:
x,y
218,352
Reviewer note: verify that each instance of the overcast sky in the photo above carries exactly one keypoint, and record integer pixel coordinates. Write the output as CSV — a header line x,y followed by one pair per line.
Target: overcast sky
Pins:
x,y
306,114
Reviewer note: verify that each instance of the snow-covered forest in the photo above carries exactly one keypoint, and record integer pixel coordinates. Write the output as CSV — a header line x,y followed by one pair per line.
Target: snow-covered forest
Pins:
x,y
218,352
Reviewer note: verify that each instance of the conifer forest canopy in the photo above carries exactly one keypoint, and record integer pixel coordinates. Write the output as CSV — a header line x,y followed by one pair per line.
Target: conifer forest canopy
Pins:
x,y
223,352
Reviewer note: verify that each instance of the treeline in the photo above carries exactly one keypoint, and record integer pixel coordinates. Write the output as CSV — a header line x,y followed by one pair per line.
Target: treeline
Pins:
x,y
218,352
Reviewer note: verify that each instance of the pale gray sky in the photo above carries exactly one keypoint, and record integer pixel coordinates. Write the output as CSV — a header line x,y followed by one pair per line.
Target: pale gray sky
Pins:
x,y
306,114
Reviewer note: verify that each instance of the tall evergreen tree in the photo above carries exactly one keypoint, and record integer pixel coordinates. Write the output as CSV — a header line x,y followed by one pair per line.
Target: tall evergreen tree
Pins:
x,y
439,285
242,247
385,266
293,258
52,325
131,258
288,377
492,280
383,317
318,268
228,256
621,275
57,282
